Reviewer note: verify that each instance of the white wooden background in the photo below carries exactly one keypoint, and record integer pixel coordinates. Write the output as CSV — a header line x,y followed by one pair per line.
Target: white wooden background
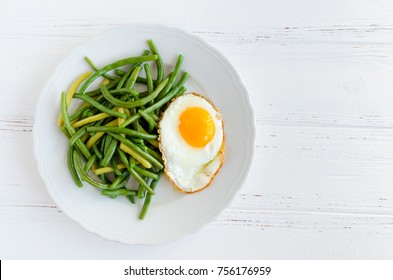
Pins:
x,y
320,77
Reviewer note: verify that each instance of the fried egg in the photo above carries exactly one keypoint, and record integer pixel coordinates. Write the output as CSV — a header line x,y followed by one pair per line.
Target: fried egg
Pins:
x,y
192,142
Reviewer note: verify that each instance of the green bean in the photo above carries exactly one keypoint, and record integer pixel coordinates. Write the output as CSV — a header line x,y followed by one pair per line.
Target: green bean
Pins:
x,y
154,154
142,182
78,113
145,173
172,80
120,72
65,132
90,163
144,81
133,92
149,79
97,151
131,198
71,167
85,177
71,131
177,90
141,189
77,135
87,113
131,104
109,153
124,182
160,64
115,184
115,168
100,107
65,116
154,117
129,135
130,70
96,124
174,92
138,150
136,125
140,144
104,179
122,130
108,141
92,65
119,192
132,162
124,78
147,202
115,65
152,124
96,92
132,79
123,157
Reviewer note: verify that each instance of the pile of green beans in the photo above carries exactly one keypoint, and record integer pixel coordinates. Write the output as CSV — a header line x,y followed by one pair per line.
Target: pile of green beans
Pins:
x,y
113,135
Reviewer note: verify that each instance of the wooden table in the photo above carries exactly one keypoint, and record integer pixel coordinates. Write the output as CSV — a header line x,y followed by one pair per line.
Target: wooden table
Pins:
x,y
320,78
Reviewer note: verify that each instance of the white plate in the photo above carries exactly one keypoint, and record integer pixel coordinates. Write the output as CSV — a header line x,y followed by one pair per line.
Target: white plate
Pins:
x,y
172,214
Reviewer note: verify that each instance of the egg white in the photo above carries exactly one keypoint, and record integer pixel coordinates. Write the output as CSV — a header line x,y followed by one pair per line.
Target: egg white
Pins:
x,y
190,168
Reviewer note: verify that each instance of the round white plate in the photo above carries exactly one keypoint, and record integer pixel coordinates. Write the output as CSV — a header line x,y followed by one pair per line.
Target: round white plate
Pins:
x,y
172,214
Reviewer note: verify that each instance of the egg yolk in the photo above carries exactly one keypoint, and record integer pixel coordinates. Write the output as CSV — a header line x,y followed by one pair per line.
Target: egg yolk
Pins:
x,y
196,127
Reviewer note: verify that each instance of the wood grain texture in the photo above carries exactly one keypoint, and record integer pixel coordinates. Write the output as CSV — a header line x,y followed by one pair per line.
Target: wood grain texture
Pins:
x,y
320,79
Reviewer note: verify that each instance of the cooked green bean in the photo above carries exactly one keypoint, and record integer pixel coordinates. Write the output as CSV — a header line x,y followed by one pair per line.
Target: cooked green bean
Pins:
x,y
109,153
114,65
147,202
131,104
71,167
120,72
142,182
106,75
78,113
132,79
122,130
130,70
133,146
152,124
65,132
138,79
123,157
90,163
77,135
114,166
114,133
141,189
107,142
115,184
154,154
97,151
96,92
85,177
160,63
131,198
100,107
119,192
172,80
174,92
71,131
133,92
145,172
154,117
150,86
177,90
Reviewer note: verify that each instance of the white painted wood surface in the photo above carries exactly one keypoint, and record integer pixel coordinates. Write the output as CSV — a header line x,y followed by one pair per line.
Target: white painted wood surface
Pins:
x,y
320,77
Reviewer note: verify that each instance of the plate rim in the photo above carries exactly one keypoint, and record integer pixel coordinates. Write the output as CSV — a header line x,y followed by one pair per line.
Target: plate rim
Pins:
x,y
204,220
